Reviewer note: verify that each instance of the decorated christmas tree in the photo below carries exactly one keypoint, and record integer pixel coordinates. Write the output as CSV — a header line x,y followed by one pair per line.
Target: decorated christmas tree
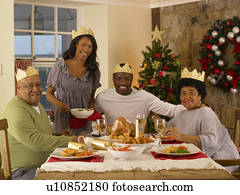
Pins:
x,y
160,74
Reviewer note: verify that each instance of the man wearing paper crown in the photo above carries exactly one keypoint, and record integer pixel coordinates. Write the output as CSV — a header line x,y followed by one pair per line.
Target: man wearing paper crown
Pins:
x,y
30,132
124,101
75,79
198,124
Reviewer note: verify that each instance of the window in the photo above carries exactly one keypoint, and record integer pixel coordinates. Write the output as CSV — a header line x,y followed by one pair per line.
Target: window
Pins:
x,y
42,33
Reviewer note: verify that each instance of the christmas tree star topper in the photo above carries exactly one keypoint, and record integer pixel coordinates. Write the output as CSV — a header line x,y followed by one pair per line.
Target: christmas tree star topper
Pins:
x,y
157,35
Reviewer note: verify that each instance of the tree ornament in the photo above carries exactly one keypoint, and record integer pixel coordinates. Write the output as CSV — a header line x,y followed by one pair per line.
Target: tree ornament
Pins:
x,y
157,35
160,73
214,47
153,81
229,23
230,35
238,39
233,90
235,30
164,73
220,63
214,33
156,65
222,40
209,78
157,55
229,78
165,67
217,53
213,81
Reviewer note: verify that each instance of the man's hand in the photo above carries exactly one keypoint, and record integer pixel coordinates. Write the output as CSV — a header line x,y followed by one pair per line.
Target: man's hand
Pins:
x,y
66,132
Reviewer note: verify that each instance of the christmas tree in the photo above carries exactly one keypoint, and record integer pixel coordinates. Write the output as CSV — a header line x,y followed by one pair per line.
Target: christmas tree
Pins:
x,y
160,74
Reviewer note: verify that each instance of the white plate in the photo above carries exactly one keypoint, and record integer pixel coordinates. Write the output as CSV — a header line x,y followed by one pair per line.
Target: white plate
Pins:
x,y
57,154
190,147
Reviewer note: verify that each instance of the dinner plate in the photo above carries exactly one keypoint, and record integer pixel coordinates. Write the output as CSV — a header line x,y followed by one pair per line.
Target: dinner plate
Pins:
x,y
190,147
57,154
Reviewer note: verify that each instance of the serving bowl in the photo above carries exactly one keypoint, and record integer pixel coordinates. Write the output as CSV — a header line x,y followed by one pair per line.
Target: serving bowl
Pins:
x,y
145,147
81,112
126,155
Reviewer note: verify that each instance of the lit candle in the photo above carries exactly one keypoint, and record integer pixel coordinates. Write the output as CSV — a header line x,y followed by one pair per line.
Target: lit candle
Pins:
x,y
137,128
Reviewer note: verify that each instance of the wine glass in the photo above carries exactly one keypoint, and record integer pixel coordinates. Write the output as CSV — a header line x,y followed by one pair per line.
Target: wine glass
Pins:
x,y
142,122
101,126
160,126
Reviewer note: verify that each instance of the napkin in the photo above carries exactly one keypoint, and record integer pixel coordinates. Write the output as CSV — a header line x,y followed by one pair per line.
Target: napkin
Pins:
x,y
188,157
95,158
76,123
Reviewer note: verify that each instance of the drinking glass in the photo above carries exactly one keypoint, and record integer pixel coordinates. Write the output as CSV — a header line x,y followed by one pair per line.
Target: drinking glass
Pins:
x,y
142,122
101,126
160,126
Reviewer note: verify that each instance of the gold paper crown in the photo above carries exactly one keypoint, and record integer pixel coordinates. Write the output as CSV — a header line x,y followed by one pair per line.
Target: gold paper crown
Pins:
x,y
192,75
124,67
82,31
21,74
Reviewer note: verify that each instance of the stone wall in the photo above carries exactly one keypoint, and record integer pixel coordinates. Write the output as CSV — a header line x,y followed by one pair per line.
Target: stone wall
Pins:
x,y
184,26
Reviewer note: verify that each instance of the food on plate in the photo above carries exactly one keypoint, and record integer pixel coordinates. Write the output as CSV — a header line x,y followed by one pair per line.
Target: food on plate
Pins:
x,y
76,145
125,132
84,109
69,152
100,144
176,149
74,152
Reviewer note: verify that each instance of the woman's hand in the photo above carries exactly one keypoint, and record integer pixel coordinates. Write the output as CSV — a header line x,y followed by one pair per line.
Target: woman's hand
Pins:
x,y
65,107
174,132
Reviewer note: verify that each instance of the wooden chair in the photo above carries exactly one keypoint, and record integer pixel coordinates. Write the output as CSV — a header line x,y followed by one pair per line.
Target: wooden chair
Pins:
x,y
237,134
6,154
232,162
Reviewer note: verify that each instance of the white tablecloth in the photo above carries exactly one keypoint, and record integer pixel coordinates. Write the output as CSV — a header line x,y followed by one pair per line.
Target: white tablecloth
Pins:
x,y
144,162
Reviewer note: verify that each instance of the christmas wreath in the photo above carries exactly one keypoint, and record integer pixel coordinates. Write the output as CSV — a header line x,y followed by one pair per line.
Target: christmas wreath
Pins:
x,y
213,47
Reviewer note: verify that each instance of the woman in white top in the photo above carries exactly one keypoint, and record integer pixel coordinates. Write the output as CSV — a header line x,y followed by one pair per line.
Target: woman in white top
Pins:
x,y
198,124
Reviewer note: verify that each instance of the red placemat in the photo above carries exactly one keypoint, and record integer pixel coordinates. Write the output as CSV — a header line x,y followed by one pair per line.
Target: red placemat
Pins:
x,y
188,157
95,158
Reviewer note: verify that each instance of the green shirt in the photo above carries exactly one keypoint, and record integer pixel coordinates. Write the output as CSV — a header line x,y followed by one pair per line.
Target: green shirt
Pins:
x,y
30,134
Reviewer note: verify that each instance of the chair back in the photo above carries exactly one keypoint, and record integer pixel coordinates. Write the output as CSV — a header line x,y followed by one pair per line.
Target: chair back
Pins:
x,y
237,134
5,146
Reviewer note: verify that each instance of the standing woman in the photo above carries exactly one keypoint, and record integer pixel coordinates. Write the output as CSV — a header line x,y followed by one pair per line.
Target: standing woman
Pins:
x,y
75,79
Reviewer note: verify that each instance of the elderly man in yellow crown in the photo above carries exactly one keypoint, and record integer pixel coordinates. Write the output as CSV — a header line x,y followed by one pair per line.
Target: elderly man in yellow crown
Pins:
x,y
75,79
198,124
30,132
124,101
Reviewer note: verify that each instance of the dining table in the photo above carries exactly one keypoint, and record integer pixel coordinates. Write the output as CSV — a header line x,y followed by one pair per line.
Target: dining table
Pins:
x,y
150,165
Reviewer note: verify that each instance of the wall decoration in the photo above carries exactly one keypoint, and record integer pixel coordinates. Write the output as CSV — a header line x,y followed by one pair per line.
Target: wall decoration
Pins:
x,y
213,48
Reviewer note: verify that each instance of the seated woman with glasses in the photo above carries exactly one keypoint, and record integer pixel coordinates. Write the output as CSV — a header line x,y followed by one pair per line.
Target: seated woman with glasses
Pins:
x,y
198,124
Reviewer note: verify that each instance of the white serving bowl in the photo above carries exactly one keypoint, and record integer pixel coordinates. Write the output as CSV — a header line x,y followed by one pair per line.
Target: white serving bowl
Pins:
x,y
126,155
145,147
81,112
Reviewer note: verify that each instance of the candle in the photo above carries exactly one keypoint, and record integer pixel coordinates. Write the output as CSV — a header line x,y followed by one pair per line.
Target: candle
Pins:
x,y
137,128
